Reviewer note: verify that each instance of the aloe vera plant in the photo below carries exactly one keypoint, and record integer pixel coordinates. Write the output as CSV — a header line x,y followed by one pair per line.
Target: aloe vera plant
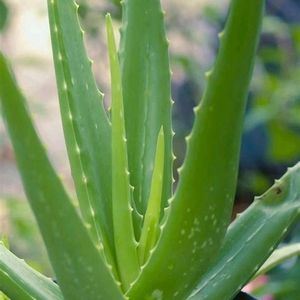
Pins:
x,y
135,237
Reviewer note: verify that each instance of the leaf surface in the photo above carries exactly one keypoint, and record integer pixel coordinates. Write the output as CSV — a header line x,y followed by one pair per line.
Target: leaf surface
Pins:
x,y
78,264
86,126
201,209
252,237
126,246
278,257
21,282
150,231
146,91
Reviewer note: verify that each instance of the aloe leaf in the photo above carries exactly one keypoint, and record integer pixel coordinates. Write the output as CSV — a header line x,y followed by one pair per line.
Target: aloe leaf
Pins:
x,y
278,257
146,91
201,208
126,246
150,231
252,237
3,297
21,282
86,127
78,265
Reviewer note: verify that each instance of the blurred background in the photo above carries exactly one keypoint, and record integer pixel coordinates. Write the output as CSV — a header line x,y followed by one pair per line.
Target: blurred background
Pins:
x,y
271,139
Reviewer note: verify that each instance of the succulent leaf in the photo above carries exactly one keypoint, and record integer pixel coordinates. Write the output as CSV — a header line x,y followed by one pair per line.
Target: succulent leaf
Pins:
x,y
146,90
86,126
278,257
21,282
151,228
77,263
126,246
251,238
202,205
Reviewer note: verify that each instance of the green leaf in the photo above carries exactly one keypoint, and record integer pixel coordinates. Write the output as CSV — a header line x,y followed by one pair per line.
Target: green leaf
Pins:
x,y
78,265
3,297
202,205
278,257
252,237
86,127
21,282
150,230
146,91
126,246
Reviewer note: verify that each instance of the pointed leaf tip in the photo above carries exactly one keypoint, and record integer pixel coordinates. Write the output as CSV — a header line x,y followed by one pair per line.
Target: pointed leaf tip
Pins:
x,y
150,229
126,253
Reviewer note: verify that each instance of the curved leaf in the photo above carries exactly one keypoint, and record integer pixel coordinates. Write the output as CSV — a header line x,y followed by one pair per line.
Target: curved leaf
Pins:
x,y
146,91
126,246
278,257
21,282
150,231
79,267
201,209
86,127
251,239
